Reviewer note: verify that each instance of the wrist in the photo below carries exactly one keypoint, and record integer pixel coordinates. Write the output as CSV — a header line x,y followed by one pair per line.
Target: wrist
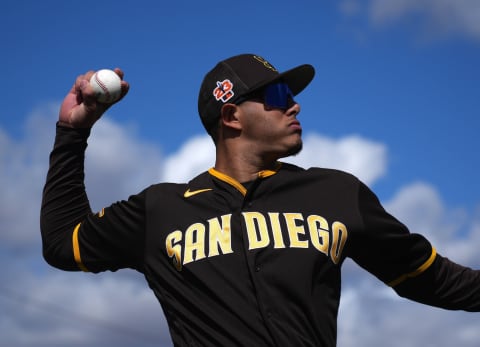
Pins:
x,y
64,124
71,126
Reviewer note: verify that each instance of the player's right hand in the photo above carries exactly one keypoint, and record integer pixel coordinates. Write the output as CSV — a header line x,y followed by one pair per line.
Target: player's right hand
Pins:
x,y
80,108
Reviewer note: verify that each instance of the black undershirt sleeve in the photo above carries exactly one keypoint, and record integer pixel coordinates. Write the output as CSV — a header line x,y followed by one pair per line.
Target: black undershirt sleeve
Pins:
x,y
64,201
73,237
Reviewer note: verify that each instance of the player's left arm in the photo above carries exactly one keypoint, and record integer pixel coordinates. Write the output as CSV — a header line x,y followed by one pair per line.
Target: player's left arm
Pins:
x,y
444,284
408,262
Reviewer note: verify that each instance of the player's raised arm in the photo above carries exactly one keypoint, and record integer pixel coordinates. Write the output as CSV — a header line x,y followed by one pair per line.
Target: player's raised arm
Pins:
x,y
65,203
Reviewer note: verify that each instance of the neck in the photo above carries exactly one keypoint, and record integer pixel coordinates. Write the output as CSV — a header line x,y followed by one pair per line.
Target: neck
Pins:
x,y
243,165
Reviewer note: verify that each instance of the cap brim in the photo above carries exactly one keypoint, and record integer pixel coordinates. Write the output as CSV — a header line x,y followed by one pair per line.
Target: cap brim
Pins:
x,y
297,79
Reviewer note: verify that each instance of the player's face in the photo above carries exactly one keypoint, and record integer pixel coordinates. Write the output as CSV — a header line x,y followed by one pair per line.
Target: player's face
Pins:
x,y
275,132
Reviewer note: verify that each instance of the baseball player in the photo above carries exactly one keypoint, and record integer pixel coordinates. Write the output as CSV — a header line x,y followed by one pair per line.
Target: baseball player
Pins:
x,y
248,253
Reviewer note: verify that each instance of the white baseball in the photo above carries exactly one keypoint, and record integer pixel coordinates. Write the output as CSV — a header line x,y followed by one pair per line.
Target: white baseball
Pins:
x,y
107,86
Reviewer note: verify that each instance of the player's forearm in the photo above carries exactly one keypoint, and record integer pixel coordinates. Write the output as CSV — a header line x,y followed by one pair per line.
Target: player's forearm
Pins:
x,y
64,203
445,284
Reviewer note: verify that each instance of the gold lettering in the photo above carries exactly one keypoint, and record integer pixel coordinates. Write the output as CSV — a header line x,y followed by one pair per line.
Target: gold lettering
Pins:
x,y
174,250
277,230
194,242
219,235
264,62
257,230
190,246
318,227
339,238
295,230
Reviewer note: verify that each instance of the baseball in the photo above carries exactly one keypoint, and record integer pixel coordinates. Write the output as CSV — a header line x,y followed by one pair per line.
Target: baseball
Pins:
x,y
107,86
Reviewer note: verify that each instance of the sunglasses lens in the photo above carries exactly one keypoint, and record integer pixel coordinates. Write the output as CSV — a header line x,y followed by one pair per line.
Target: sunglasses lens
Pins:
x,y
278,95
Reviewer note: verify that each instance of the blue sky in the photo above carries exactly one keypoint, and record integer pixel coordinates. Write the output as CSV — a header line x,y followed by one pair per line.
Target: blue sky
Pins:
x,y
395,101
407,81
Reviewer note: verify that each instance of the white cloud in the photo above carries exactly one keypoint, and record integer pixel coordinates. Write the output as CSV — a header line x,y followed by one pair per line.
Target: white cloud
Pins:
x,y
81,309
350,7
120,163
366,308
452,232
195,156
56,308
23,165
117,164
437,18
421,208
372,315
364,158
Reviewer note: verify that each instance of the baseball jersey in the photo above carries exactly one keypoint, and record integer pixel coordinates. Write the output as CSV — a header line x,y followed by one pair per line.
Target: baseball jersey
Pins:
x,y
244,264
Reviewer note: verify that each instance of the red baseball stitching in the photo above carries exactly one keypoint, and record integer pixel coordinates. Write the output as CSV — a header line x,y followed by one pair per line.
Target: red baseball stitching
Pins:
x,y
102,86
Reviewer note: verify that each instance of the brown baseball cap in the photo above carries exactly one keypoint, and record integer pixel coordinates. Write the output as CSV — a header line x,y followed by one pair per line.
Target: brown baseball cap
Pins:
x,y
233,78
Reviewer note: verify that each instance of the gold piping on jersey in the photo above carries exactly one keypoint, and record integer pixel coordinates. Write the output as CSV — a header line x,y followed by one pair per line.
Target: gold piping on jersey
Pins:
x,y
76,249
268,173
417,272
233,182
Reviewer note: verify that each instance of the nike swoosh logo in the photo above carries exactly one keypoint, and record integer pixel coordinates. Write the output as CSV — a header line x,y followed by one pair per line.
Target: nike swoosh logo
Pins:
x,y
189,193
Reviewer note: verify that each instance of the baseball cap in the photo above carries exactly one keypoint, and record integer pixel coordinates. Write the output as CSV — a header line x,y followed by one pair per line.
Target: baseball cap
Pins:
x,y
233,78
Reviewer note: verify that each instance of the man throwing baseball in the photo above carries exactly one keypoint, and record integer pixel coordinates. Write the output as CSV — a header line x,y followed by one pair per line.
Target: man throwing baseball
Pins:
x,y
250,252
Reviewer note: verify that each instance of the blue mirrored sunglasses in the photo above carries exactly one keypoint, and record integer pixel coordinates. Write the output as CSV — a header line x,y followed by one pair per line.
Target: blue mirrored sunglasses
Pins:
x,y
274,95
278,95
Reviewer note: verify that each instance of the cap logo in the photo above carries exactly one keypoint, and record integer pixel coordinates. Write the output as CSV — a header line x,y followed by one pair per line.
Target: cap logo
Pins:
x,y
264,62
224,91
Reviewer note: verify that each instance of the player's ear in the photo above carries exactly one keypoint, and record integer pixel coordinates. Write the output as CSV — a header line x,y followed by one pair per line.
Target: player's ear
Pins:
x,y
229,116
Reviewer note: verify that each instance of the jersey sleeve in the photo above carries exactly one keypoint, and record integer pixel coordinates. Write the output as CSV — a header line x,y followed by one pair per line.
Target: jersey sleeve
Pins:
x,y
384,246
73,237
444,284
112,238
408,262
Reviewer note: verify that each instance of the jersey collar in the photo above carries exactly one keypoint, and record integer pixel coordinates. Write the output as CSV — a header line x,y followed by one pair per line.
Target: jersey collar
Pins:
x,y
237,185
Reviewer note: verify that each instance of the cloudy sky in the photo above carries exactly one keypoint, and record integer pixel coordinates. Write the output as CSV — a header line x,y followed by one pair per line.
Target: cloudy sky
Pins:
x,y
395,101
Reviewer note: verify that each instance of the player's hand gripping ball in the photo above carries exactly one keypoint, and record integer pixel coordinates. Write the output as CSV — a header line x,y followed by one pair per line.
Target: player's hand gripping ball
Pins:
x,y
107,86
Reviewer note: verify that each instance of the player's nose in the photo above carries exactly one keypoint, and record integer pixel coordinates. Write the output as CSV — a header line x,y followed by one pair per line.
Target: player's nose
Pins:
x,y
293,109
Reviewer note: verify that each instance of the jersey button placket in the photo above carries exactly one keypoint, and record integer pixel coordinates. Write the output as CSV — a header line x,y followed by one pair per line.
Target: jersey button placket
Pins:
x,y
256,268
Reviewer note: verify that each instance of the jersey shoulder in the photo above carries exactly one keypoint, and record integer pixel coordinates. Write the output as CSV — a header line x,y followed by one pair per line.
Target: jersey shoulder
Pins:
x,y
202,181
320,173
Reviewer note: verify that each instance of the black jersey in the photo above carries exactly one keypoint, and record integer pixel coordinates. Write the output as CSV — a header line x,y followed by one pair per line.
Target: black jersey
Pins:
x,y
233,266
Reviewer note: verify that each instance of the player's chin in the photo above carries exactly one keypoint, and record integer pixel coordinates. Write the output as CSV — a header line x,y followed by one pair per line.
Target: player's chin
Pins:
x,y
295,148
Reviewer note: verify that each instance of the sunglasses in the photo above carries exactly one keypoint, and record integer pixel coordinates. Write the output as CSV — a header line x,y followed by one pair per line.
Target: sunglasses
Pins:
x,y
275,95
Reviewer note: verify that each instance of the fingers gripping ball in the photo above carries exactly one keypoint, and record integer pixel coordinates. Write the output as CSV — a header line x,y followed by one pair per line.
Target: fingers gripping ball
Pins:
x,y
107,86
